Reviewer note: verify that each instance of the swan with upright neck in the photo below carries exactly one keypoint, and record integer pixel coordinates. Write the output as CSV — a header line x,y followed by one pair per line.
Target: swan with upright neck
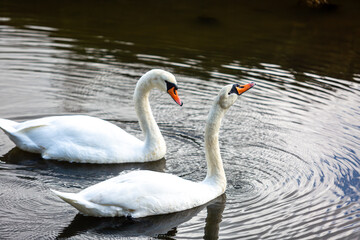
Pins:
x,y
144,193
86,139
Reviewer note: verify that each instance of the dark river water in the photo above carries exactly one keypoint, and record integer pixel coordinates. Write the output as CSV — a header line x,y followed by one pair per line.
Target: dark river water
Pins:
x,y
290,145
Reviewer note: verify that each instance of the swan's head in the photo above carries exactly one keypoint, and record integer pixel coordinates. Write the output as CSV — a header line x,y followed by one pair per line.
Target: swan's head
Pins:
x,y
164,81
230,93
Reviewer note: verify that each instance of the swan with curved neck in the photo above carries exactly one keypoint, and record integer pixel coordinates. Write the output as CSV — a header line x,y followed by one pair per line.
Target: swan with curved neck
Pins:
x,y
88,139
145,193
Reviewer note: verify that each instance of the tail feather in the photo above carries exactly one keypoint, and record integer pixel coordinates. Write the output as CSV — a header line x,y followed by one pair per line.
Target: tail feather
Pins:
x,y
7,125
76,201
67,197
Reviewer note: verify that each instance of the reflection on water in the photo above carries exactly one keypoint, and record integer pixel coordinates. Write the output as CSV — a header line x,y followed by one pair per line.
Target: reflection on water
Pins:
x,y
71,173
290,147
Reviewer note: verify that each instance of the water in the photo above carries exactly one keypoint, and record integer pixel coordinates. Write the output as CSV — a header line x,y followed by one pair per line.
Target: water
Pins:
x,y
290,145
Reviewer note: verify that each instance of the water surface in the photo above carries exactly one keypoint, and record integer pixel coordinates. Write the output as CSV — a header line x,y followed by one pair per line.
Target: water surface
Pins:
x,y
290,145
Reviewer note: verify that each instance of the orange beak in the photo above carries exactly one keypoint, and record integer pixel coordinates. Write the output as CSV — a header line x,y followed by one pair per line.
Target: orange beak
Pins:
x,y
173,93
243,88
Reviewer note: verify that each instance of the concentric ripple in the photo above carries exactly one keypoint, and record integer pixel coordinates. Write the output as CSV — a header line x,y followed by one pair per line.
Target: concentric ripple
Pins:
x,y
27,207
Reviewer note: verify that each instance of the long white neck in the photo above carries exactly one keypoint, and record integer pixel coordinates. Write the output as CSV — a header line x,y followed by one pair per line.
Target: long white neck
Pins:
x,y
215,169
154,141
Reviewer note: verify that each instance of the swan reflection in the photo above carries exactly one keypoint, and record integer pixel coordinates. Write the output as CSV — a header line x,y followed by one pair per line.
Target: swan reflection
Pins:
x,y
63,170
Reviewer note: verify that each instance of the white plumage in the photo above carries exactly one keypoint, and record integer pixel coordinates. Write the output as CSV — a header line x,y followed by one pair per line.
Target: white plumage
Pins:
x,y
145,193
87,139
139,194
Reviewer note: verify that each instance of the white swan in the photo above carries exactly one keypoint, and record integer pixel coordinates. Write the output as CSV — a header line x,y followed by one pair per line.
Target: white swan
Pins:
x,y
92,140
144,193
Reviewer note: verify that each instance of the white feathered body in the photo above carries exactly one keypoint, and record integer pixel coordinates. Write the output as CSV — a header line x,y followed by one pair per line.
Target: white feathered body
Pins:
x,y
78,138
142,193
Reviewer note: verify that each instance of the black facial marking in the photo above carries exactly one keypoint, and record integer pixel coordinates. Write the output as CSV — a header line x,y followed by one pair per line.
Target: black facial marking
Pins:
x,y
234,90
170,85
